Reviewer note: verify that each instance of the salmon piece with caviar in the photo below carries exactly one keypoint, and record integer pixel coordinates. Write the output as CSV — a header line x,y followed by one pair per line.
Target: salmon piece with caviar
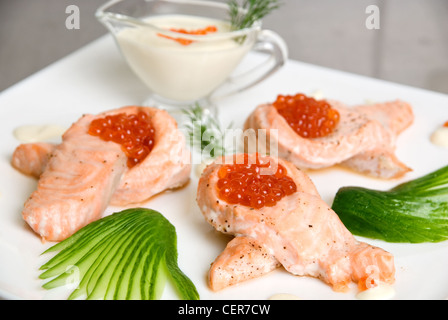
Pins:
x,y
166,167
362,138
287,224
84,173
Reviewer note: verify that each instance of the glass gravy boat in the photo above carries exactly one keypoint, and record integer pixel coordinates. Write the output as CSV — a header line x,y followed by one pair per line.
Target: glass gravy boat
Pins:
x,y
182,67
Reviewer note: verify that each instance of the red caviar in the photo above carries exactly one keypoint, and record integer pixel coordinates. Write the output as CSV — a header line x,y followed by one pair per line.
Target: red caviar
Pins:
x,y
185,42
308,117
244,184
133,132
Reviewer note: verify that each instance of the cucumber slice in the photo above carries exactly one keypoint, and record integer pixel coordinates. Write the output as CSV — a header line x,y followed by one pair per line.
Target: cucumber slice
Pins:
x,y
127,255
413,212
82,255
96,268
117,267
84,241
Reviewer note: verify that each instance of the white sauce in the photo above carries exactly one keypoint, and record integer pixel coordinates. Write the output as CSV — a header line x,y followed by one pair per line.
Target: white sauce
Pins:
x,y
181,72
38,133
381,292
318,95
284,296
440,137
201,167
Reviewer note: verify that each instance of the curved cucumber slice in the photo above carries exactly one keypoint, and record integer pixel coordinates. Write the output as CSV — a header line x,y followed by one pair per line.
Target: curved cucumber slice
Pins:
x,y
127,255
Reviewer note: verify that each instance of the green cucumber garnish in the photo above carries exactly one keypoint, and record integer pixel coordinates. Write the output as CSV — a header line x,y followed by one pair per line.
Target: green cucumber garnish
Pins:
x,y
413,212
128,255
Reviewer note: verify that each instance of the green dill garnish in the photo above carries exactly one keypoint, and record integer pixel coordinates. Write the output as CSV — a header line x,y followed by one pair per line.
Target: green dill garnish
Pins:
x,y
249,12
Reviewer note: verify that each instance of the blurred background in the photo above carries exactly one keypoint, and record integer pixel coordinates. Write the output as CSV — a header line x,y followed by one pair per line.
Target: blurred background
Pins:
x,y
410,47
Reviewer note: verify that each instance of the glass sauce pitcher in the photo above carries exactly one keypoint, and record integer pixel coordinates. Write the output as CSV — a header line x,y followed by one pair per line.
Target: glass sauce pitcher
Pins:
x,y
186,51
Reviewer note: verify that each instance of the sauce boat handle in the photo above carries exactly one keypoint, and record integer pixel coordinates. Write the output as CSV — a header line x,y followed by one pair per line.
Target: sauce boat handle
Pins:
x,y
268,43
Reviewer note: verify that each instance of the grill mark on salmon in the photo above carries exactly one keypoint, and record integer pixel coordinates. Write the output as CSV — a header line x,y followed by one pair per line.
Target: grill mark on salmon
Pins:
x,y
301,232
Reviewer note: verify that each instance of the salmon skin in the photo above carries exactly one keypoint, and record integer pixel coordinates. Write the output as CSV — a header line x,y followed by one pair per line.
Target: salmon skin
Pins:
x,y
364,140
301,233
84,174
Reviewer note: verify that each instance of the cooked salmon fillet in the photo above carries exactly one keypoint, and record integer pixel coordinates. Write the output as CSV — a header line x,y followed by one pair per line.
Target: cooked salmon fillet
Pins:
x,y
301,232
76,185
243,259
168,166
85,174
32,158
364,140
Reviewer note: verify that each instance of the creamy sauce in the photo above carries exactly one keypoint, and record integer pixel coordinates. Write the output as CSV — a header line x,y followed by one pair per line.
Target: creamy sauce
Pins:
x,y
381,292
181,72
284,296
318,95
38,133
201,167
440,137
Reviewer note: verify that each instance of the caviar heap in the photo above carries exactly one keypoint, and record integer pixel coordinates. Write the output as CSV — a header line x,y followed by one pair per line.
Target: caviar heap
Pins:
x,y
246,184
308,117
133,132
186,42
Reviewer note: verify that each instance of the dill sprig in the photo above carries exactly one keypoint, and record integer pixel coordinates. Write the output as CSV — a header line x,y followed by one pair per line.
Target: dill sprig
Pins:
x,y
249,12
205,132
